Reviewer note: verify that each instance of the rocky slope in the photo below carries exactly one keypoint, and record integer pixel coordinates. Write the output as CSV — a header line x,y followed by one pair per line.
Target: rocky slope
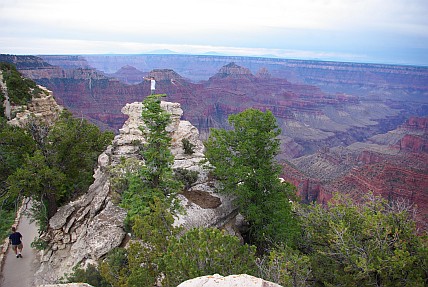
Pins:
x,y
393,165
42,106
84,230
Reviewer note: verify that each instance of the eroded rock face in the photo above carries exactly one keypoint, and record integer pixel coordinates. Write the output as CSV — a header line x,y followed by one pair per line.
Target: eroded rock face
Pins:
x,y
87,229
392,165
43,107
229,281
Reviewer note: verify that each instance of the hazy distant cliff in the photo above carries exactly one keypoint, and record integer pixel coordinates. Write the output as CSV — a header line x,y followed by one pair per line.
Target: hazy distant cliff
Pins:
x,y
346,102
357,77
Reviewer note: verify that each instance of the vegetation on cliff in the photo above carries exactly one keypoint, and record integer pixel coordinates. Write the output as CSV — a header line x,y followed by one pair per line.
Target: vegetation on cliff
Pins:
x,y
155,179
20,89
49,163
244,164
63,163
373,243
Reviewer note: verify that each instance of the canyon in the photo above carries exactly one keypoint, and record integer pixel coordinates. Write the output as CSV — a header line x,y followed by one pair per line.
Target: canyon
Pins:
x,y
346,127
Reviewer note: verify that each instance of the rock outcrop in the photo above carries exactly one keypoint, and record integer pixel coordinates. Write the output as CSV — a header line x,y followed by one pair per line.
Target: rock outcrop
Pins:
x,y
241,280
43,107
228,281
129,75
84,230
233,71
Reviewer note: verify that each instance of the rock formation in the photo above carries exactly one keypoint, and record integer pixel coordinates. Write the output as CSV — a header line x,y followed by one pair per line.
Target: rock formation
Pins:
x,y
393,165
84,230
43,107
233,71
228,281
129,75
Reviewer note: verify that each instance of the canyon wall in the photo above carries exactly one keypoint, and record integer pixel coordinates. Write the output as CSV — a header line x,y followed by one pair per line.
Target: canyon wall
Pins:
x,y
393,165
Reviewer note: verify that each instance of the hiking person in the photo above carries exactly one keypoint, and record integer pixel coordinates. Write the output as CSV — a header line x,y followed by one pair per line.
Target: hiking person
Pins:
x,y
16,240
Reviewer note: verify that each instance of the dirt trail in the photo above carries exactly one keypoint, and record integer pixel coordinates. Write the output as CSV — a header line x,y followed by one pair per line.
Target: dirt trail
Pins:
x,y
19,272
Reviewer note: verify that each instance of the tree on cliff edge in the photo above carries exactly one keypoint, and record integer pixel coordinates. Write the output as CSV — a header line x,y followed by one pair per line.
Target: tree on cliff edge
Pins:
x,y
63,164
245,165
155,178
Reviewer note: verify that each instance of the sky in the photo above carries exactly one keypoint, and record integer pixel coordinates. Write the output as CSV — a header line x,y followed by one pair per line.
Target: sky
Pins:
x,y
373,31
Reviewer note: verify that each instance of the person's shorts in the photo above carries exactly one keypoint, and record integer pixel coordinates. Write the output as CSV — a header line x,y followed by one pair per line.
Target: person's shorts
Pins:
x,y
19,246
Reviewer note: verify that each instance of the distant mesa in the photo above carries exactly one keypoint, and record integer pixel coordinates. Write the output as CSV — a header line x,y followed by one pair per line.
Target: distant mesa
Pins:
x,y
129,75
269,56
165,75
233,71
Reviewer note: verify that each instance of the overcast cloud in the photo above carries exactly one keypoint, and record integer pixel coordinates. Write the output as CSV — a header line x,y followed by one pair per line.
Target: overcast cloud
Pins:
x,y
386,31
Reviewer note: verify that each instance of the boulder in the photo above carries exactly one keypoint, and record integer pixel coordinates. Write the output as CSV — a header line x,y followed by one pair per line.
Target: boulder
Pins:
x,y
228,281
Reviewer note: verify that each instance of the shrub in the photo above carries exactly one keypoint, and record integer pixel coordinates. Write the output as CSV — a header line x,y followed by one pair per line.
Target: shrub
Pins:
x,y
205,251
188,146
7,219
89,275
187,177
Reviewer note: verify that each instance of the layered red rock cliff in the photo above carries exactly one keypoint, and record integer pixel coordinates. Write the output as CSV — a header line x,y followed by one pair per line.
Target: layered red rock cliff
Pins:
x,y
393,165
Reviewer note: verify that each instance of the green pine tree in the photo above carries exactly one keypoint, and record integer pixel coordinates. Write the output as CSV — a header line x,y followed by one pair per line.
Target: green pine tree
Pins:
x,y
244,163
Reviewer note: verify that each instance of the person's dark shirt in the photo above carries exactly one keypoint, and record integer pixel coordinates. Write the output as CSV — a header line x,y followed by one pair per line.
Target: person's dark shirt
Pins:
x,y
15,238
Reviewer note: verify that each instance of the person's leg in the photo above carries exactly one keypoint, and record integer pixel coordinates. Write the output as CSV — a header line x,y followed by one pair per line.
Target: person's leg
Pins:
x,y
15,249
20,247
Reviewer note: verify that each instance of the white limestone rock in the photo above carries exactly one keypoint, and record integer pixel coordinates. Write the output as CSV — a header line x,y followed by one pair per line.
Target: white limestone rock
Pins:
x,y
229,281
43,107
